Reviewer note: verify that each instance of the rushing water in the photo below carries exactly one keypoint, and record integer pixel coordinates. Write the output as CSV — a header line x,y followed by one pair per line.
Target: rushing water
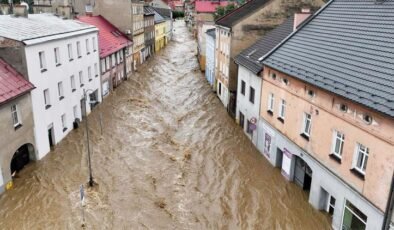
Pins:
x,y
169,158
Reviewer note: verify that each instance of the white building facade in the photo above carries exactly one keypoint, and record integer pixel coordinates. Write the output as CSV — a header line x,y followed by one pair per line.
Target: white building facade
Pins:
x,y
248,102
62,60
210,53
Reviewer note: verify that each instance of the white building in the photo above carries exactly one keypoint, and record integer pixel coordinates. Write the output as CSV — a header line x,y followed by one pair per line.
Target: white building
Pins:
x,y
249,80
210,53
61,58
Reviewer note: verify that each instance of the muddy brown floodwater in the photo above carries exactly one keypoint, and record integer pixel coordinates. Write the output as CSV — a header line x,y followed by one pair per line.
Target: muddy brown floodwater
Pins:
x,y
169,158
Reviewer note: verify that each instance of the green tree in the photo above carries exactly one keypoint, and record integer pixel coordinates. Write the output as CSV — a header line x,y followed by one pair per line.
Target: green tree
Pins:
x,y
221,11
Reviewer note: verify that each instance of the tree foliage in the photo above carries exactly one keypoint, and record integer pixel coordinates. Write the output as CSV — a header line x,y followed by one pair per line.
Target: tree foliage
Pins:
x,y
223,10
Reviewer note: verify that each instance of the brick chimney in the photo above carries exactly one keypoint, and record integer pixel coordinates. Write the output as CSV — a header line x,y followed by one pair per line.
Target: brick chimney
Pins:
x,y
301,17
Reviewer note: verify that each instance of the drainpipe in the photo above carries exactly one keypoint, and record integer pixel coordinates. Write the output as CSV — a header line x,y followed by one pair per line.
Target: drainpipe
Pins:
x,y
389,208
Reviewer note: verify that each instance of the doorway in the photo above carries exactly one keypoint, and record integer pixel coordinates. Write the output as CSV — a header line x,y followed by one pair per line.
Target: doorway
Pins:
x,y
51,136
279,158
21,158
302,174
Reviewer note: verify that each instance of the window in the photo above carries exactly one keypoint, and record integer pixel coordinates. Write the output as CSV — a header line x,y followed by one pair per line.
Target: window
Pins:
x,y
361,155
75,111
241,119
285,81
113,60
47,99
248,128
90,73
73,87
79,49
81,78
87,46
64,122
94,44
282,110
70,52
270,107
306,129
57,56
95,70
337,144
331,205
243,88
43,64
310,93
251,95
367,119
60,90
15,116
273,75
343,108
353,218
107,64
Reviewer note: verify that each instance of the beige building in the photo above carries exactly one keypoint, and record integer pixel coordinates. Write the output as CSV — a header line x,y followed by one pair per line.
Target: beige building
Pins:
x,y
138,33
241,28
327,112
16,124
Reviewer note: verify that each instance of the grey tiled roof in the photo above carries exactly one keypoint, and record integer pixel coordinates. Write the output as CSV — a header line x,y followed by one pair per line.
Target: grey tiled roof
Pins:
x,y
165,13
148,10
347,49
245,10
158,18
38,26
212,33
250,57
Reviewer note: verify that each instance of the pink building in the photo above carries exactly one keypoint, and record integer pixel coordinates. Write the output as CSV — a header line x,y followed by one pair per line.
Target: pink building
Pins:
x,y
327,111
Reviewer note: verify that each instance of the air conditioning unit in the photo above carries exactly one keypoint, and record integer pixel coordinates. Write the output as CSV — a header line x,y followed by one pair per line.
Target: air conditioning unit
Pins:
x,y
128,32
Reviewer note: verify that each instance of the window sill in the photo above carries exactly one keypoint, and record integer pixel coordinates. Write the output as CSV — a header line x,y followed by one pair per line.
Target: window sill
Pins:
x,y
47,106
357,173
270,112
71,59
16,127
43,70
96,75
58,64
79,56
305,136
87,53
335,158
61,98
64,130
90,80
281,120
82,85
73,90
252,102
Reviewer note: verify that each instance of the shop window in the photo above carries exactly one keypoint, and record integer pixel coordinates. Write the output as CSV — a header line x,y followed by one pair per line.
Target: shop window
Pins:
x,y
353,218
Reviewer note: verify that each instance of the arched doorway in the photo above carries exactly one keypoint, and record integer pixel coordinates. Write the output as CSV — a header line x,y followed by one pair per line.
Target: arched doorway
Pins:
x,y
21,157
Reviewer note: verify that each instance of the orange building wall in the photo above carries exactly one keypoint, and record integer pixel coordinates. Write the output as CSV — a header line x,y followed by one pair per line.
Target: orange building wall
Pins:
x,y
326,117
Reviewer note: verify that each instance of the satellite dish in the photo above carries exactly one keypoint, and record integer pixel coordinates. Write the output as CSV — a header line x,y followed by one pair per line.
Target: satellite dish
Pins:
x,y
25,4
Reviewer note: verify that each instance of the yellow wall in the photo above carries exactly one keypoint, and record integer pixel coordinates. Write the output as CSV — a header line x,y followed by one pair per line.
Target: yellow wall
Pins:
x,y
160,31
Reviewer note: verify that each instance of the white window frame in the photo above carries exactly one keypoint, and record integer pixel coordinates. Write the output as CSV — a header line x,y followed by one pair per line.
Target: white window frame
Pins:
x,y
87,46
79,49
70,52
337,136
94,44
81,81
47,98
282,109
89,73
64,122
43,64
73,85
57,56
95,69
15,113
270,105
359,150
305,131
75,112
60,90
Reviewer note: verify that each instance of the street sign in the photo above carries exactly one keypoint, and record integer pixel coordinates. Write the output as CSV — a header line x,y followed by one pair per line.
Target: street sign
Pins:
x,y
253,120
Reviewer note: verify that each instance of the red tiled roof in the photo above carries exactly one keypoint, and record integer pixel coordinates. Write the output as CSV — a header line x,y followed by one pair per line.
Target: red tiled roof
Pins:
x,y
12,83
208,6
110,38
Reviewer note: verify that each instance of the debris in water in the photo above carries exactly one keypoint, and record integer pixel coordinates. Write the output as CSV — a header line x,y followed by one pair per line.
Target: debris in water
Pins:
x,y
160,203
187,155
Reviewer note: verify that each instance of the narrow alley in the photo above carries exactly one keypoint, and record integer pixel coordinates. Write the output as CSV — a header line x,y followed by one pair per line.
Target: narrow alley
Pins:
x,y
169,157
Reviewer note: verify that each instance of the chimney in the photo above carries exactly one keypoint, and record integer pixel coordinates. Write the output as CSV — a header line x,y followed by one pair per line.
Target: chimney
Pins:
x,y
20,10
301,17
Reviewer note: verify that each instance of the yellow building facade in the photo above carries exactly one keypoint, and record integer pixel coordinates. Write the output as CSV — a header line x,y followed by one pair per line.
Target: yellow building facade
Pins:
x,y
160,32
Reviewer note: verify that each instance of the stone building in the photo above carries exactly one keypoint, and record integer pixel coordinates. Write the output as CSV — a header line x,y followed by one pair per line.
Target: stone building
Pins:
x,y
16,123
336,137
61,58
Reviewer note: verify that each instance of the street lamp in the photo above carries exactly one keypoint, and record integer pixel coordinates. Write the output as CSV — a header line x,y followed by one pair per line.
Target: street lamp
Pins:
x,y
91,181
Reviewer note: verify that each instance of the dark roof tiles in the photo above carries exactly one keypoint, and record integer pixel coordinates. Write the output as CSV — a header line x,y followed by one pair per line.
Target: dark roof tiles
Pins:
x,y
347,49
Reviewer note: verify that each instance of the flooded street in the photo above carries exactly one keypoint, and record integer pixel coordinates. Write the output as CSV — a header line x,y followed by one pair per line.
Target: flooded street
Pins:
x,y
169,158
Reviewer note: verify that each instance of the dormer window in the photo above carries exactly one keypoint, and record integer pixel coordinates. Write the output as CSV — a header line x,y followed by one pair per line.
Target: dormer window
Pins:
x,y
273,76
310,93
285,81
343,108
367,119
